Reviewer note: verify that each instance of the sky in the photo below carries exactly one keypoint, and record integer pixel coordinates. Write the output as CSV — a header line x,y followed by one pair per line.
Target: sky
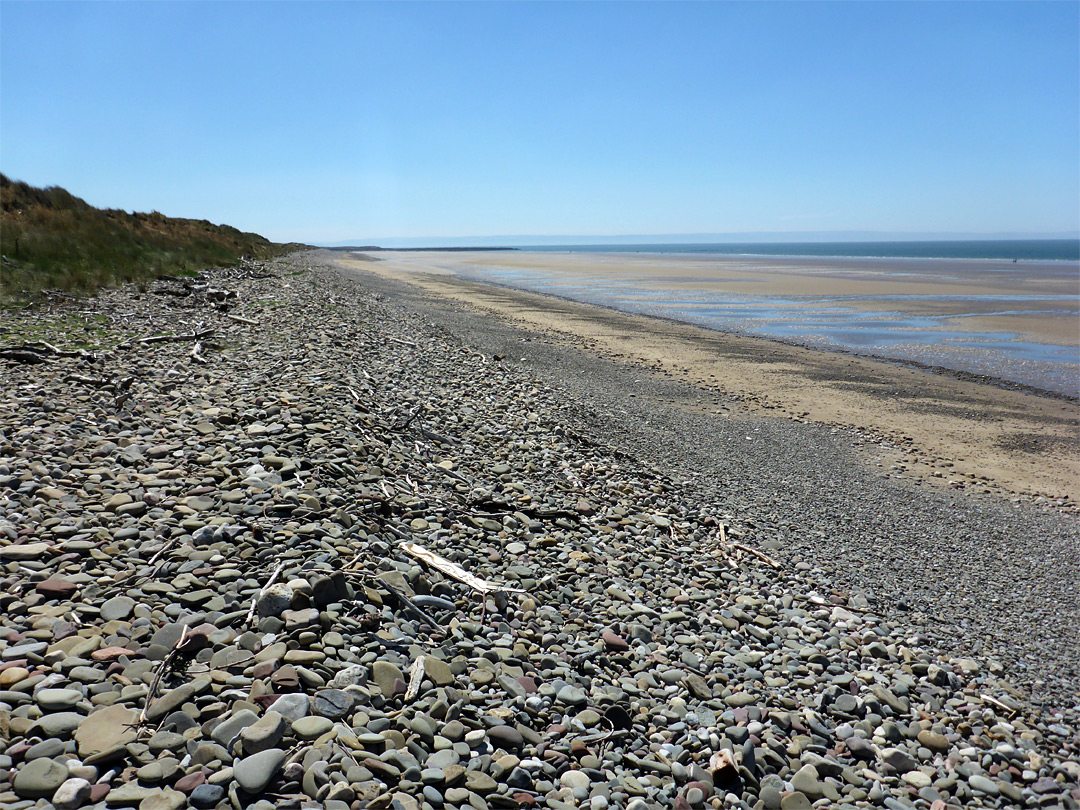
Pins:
x,y
376,123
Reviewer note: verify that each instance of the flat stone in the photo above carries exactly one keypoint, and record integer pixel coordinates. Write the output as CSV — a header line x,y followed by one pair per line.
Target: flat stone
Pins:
x,y
205,796
575,779
795,801
164,799
56,588
935,742
572,696
806,782
128,794
60,724
982,784
898,759
740,699
118,608
917,779
480,782
175,698
614,642
332,703
254,773
385,674
506,737
309,728
291,707
698,687
55,700
438,671
26,551
275,600
39,778
105,729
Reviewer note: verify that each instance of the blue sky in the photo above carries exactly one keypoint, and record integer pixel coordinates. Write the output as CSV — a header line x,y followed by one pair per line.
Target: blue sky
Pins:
x,y
326,122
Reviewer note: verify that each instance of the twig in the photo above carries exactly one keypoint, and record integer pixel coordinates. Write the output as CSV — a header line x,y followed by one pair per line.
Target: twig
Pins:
x,y
760,555
262,592
160,673
242,319
997,703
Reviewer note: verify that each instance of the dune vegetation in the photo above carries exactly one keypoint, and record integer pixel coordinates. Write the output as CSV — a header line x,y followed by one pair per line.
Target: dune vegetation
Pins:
x,y
51,239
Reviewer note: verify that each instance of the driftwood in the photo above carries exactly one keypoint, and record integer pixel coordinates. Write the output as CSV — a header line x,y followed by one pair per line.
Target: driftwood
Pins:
x,y
196,353
199,335
407,343
242,319
82,378
40,352
455,571
759,554
725,545
24,356
416,677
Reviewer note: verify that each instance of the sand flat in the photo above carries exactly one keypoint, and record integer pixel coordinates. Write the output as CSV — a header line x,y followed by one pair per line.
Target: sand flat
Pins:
x,y
947,428
911,310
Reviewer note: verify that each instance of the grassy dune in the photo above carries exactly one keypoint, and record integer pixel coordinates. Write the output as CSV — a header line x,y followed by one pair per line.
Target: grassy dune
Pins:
x,y
51,239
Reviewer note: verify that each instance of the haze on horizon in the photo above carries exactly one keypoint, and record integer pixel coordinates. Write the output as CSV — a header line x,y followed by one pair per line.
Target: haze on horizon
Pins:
x,y
382,123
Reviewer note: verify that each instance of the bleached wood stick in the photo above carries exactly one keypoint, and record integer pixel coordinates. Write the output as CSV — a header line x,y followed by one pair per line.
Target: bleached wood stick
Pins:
x,y
455,571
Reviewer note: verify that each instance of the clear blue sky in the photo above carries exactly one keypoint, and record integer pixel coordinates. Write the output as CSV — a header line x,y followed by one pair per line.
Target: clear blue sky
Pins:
x,y
326,122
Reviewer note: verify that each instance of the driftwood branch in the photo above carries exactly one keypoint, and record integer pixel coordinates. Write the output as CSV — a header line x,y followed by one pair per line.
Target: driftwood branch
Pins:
x,y
199,335
416,677
455,571
24,356
242,319
759,554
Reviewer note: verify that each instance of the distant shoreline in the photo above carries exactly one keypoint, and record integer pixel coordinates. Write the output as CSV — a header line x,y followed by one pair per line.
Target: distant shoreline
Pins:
x,y
1018,250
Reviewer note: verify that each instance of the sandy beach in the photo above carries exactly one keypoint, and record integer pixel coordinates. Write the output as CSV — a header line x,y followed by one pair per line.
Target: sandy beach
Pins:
x,y
953,430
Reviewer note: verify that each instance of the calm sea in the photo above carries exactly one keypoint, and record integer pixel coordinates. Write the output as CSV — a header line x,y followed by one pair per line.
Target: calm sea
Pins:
x,y
1007,249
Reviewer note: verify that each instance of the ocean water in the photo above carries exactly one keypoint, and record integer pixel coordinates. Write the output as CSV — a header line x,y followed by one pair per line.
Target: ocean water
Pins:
x,y
1000,249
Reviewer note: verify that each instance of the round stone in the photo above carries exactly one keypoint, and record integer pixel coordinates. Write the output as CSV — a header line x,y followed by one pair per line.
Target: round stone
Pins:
x,y
39,778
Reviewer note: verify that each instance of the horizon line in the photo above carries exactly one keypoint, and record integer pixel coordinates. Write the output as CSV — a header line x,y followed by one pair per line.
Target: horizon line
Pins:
x,y
750,237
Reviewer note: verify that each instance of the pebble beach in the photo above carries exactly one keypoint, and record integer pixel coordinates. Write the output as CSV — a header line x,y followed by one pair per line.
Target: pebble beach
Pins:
x,y
293,536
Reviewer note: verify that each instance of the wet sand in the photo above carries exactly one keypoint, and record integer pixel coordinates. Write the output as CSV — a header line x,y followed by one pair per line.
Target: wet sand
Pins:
x,y
1016,321
950,429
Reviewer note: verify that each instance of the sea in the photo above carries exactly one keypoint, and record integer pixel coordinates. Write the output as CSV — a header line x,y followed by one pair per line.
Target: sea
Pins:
x,y
996,249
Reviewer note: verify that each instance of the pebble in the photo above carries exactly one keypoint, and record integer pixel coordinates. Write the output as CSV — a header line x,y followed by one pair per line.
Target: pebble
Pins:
x,y
40,778
254,773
